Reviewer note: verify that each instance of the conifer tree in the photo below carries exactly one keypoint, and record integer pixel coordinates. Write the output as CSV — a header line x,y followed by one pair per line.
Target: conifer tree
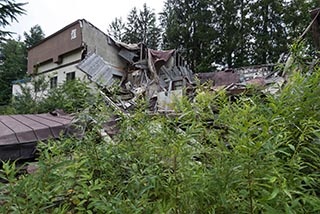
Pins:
x,y
13,66
268,30
188,28
35,35
117,29
132,26
141,27
9,10
149,32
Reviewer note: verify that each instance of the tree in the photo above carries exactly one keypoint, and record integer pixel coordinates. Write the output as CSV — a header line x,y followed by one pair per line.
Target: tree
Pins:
x,y
188,27
227,22
35,35
9,10
148,30
13,66
141,26
117,29
233,33
131,28
241,34
13,60
268,30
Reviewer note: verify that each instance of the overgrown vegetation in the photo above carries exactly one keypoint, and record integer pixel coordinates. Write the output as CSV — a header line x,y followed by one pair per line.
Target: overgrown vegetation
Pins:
x,y
72,96
13,61
257,154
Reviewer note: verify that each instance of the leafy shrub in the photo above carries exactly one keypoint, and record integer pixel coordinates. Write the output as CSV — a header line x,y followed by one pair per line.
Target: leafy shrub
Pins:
x,y
254,155
71,96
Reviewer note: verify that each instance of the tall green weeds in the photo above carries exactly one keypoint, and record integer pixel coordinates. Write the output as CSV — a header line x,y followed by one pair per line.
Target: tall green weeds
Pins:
x,y
257,154
71,96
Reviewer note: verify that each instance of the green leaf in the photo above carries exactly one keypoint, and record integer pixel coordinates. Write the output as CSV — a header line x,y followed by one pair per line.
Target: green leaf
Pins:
x,y
274,194
292,147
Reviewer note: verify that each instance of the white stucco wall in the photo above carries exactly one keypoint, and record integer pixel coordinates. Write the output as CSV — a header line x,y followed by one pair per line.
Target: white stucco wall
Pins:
x,y
16,88
61,73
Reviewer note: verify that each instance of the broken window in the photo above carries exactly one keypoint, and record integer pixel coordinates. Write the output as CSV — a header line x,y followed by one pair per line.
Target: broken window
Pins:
x,y
71,76
53,82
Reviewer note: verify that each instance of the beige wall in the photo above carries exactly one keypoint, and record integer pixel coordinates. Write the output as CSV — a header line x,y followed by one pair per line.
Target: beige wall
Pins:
x,y
50,49
66,60
101,44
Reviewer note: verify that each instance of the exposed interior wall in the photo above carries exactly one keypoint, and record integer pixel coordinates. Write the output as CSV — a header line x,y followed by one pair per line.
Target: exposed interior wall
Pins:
x,y
98,42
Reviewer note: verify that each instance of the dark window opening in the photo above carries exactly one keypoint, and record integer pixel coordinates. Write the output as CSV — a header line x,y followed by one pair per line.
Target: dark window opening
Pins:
x,y
53,82
37,87
71,76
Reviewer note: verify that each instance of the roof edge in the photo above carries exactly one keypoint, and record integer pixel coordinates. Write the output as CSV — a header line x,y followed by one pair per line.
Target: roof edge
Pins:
x,y
57,32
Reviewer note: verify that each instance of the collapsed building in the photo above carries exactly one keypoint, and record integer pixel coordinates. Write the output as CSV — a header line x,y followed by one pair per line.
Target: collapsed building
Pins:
x,y
236,80
159,76
81,51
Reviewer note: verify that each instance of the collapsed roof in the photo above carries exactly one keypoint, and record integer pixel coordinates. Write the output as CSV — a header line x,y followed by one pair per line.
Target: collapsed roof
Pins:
x,y
149,73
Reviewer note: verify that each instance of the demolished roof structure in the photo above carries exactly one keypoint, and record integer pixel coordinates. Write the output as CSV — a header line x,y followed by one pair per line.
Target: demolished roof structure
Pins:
x,y
150,73
237,80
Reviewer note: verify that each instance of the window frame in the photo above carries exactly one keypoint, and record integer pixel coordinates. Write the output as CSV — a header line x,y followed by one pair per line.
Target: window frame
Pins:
x,y
70,76
53,82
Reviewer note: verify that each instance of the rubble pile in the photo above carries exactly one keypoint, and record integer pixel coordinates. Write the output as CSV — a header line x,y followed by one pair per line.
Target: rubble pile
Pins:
x,y
159,76
236,81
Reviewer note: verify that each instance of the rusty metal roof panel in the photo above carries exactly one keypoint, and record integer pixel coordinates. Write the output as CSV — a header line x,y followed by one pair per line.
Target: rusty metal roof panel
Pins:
x,y
42,131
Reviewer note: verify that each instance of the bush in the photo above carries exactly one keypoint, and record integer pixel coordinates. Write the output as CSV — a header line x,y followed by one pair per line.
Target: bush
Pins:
x,y
72,96
254,155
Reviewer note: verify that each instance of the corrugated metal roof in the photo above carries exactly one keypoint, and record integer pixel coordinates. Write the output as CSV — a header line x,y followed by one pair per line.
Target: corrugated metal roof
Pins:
x,y
98,70
17,131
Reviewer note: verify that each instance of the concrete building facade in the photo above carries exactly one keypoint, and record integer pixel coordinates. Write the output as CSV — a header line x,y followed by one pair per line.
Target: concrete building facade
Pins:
x,y
56,57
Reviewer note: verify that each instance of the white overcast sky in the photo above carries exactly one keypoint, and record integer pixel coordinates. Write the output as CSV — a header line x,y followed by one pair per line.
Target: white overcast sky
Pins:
x,y
52,15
